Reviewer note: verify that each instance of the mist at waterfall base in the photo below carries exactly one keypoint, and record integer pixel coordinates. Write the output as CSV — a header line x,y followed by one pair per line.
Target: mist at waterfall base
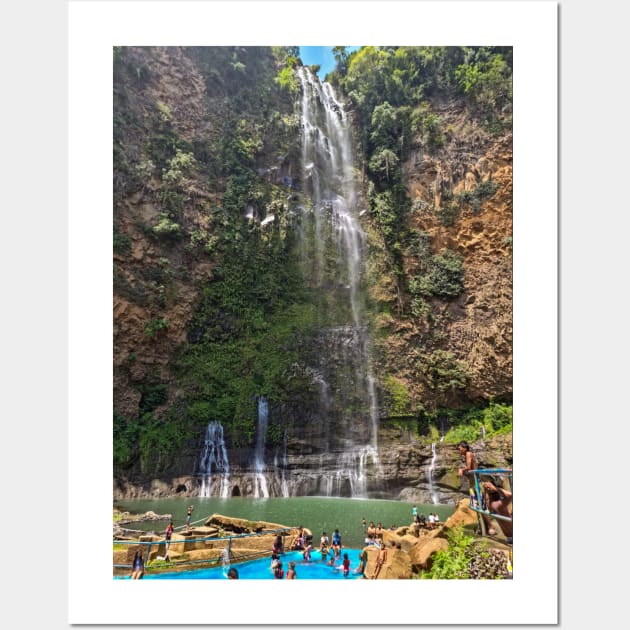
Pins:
x,y
319,514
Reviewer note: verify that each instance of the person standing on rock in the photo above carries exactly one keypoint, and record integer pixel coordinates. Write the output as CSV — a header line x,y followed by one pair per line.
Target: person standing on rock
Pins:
x,y
188,517
380,561
167,538
470,463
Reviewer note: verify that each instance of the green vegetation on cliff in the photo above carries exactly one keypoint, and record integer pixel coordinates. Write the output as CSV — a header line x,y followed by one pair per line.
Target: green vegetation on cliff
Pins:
x,y
206,195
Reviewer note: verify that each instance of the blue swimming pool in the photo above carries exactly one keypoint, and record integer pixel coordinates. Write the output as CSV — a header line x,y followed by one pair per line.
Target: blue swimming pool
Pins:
x,y
260,569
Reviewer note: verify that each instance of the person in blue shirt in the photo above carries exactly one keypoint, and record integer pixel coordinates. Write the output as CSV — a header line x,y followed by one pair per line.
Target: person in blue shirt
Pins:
x,y
336,543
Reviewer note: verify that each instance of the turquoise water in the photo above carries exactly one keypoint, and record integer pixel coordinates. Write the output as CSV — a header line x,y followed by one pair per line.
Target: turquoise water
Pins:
x,y
317,513
260,569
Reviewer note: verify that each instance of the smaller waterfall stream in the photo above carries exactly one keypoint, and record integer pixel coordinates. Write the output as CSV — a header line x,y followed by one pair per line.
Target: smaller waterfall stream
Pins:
x,y
432,492
261,490
214,464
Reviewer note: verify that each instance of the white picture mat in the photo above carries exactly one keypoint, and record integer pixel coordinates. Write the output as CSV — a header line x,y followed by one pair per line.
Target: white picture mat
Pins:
x,y
531,28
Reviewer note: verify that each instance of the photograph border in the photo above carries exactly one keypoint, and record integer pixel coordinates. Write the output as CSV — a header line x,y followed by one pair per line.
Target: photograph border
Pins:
x,y
531,29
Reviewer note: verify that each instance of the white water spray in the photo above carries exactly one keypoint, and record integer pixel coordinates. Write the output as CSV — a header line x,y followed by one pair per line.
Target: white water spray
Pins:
x,y
261,490
214,465
329,180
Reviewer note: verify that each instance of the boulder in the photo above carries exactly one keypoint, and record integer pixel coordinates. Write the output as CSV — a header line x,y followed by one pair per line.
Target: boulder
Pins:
x,y
240,525
205,532
205,554
408,542
462,516
370,565
397,565
389,536
421,555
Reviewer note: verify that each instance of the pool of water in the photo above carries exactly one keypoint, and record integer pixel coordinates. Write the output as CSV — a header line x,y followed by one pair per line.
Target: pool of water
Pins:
x,y
317,513
260,569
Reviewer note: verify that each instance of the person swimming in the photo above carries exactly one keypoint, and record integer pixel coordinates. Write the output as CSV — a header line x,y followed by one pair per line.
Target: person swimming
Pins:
x,y
307,552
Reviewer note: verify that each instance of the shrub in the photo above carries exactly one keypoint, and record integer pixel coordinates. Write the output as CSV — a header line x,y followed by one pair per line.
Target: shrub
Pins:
x,y
443,372
155,325
432,132
448,213
444,277
384,165
166,227
497,416
398,396
122,243
177,167
452,563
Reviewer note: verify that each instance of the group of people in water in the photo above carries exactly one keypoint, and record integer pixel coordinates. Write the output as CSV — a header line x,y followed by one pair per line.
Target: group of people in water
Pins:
x,y
330,550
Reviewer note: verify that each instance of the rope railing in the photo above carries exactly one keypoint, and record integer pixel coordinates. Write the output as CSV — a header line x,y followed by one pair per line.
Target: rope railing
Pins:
x,y
213,539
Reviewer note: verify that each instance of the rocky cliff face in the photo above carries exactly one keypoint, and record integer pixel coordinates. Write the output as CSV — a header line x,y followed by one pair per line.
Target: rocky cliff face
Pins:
x,y
185,121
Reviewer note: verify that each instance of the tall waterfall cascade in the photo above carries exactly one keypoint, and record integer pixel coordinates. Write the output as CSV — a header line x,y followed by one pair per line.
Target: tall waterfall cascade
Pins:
x,y
341,423
328,179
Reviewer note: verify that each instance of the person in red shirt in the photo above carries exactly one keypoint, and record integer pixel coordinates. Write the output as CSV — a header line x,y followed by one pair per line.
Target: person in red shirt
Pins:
x,y
167,537
278,572
346,565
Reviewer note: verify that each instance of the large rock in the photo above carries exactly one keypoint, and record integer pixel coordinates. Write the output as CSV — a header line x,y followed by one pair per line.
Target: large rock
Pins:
x,y
372,553
408,542
397,566
240,525
462,517
421,555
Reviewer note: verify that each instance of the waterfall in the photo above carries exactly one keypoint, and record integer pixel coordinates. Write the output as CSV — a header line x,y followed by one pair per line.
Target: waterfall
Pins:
x,y
214,464
333,259
434,496
261,489
284,484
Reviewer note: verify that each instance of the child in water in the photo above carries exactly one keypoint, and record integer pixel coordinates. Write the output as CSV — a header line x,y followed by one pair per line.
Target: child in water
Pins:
x,y
307,552
346,565
278,572
291,575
